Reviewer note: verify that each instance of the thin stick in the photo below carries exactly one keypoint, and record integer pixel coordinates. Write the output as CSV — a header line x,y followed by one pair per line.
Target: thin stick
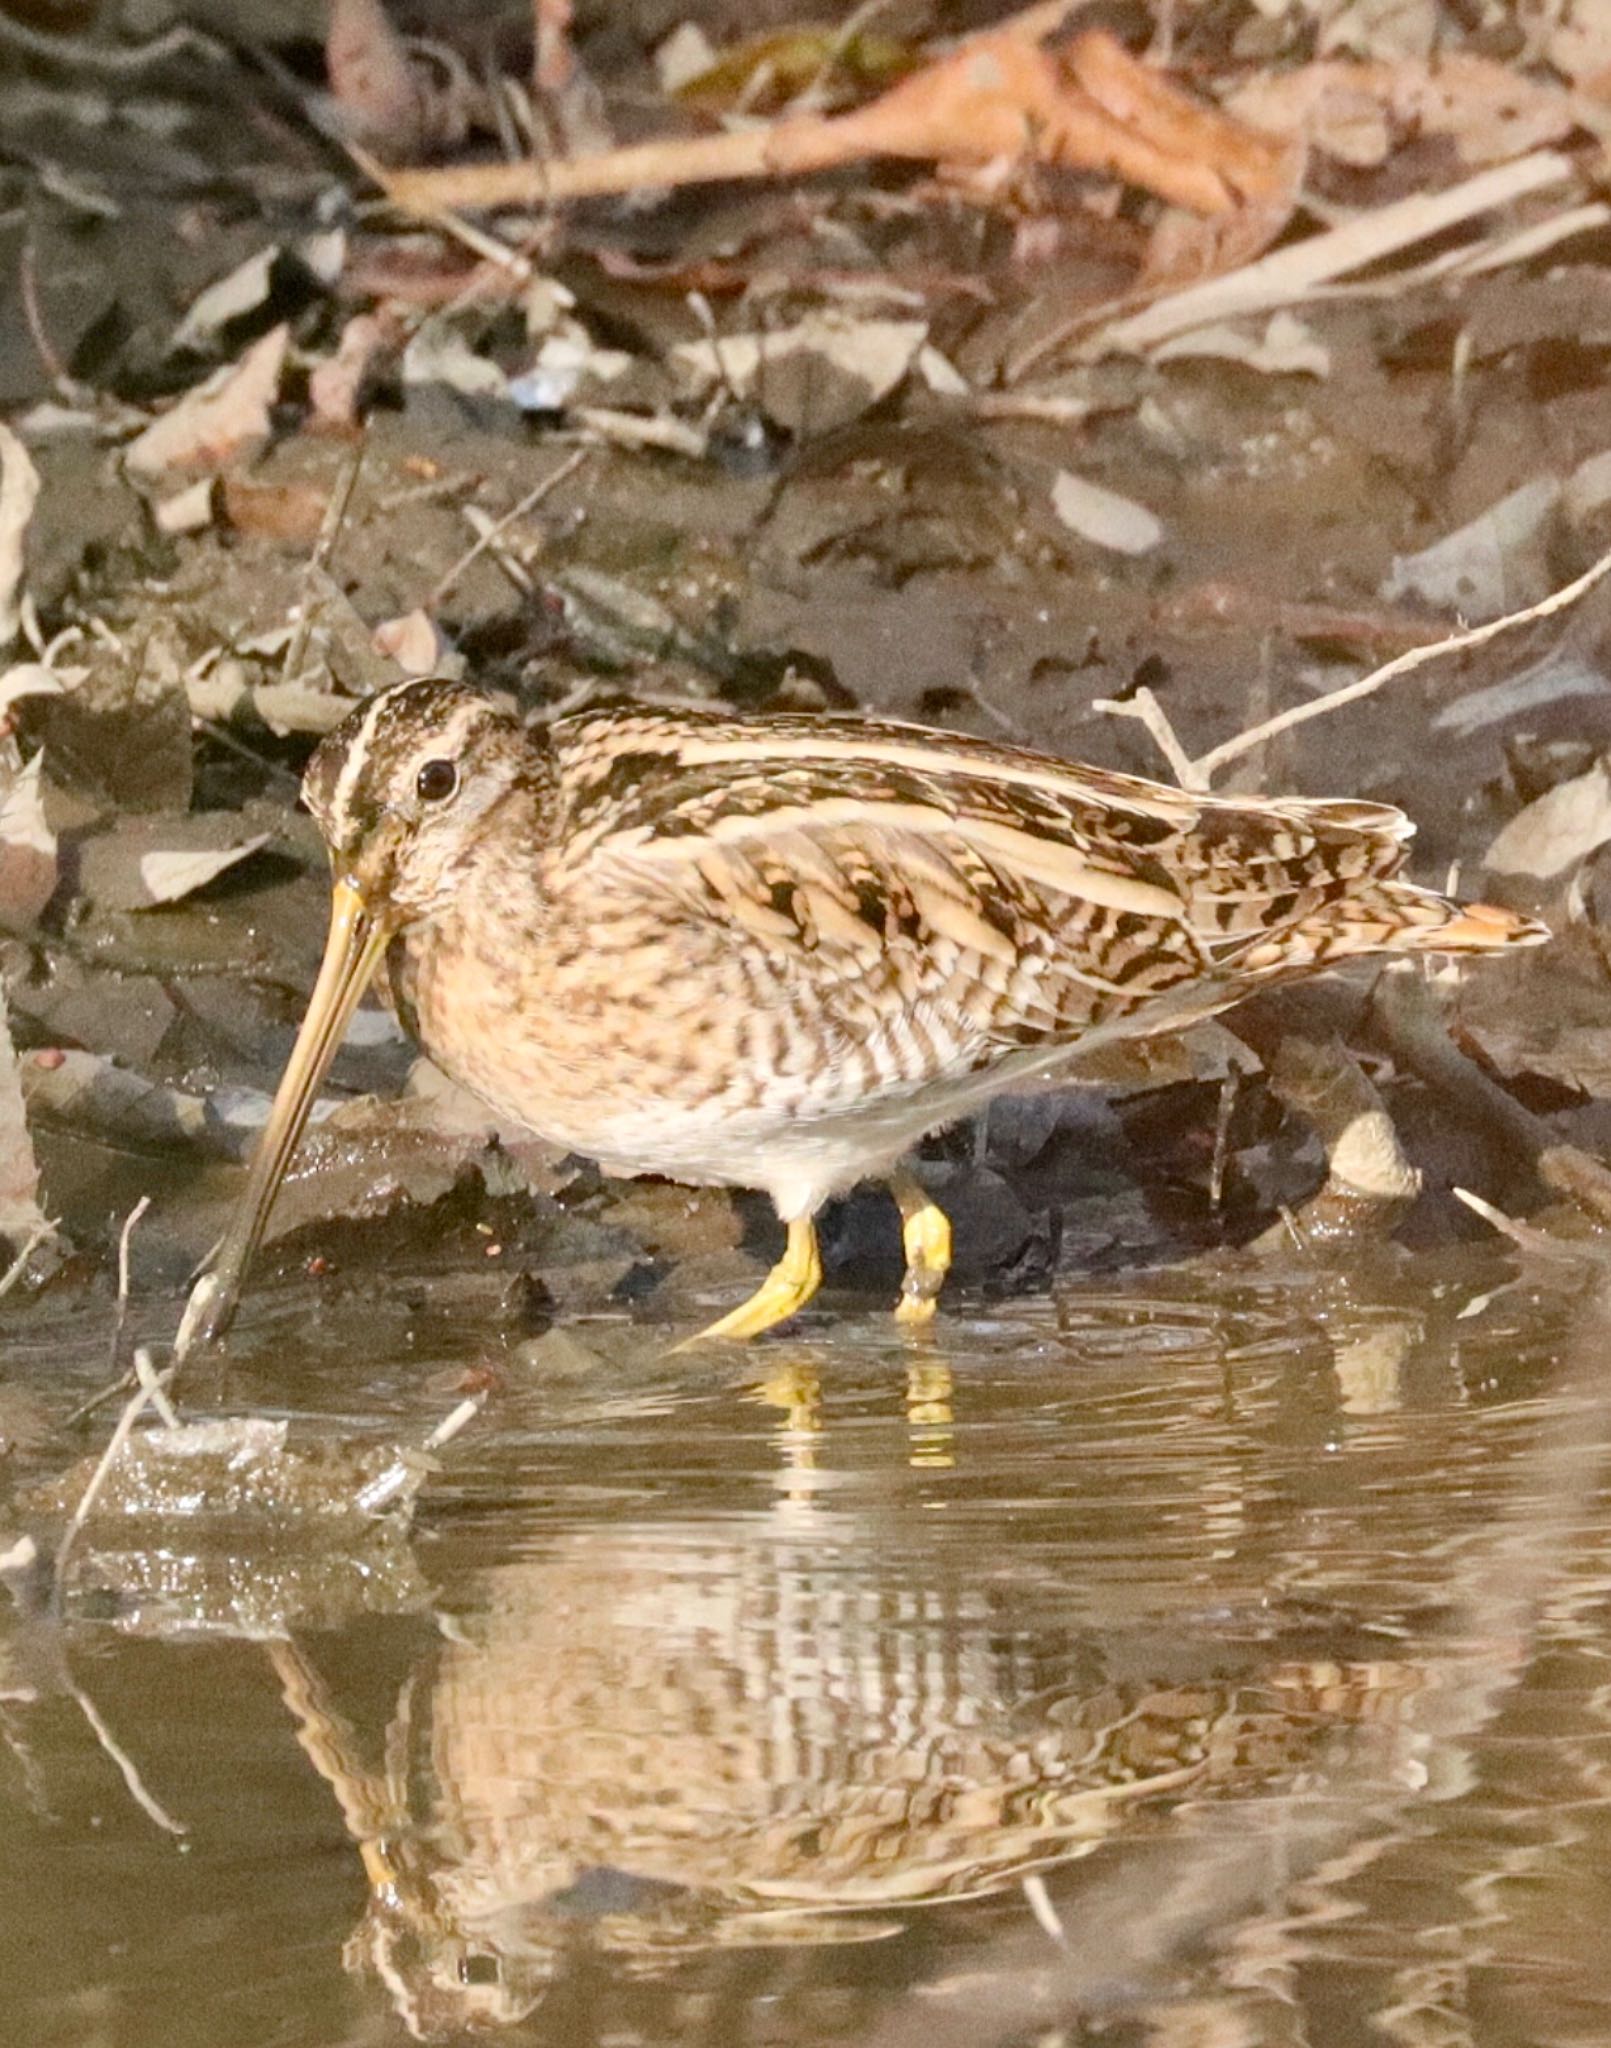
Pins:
x,y
42,1229
1402,665
335,518
495,532
1197,774
1145,708
34,319
143,1396
156,1392
1287,276
120,1319
127,1768
451,1424
477,240
815,95
386,1486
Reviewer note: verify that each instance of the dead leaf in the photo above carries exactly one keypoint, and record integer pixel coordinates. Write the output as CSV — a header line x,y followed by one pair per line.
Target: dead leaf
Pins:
x,y
1356,112
439,354
1103,517
1579,46
27,679
226,694
765,72
1555,677
371,80
941,375
222,420
335,386
166,877
28,869
292,512
1288,347
567,357
1494,564
1588,489
686,54
1561,829
19,492
187,511
242,290
822,373
415,642
1401,30
87,1092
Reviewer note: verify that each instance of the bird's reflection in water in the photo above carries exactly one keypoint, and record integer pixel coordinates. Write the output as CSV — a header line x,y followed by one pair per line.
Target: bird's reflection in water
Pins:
x,y
647,1743
794,1387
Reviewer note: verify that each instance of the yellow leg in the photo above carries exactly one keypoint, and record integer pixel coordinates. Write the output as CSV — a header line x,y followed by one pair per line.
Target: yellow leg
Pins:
x,y
926,1235
789,1286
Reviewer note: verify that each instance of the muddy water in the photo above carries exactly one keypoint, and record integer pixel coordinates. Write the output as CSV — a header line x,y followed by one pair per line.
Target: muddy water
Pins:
x,y
1211,1662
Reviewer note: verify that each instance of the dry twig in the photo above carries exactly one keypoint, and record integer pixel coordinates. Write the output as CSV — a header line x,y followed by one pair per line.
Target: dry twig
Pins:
x,y
1197,773
150,1393
495,532
1307,269
998,96
335,518
1404,1022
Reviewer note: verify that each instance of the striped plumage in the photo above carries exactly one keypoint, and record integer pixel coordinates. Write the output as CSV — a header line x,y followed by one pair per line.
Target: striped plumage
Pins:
x,y
667,1741
776,952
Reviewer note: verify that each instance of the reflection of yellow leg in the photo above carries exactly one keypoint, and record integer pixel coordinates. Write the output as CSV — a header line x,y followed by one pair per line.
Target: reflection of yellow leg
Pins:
x,y
929,1417
789,1286
796,1388
926,1234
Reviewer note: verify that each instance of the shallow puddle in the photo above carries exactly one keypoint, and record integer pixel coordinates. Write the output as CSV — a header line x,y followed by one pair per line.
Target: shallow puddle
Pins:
x,y
1197,1663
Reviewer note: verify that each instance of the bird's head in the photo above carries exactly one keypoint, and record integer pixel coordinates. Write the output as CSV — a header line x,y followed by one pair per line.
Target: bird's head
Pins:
x,y
400,790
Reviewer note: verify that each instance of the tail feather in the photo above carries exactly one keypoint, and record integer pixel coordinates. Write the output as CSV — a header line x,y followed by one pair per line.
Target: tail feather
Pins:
x,y
1485,928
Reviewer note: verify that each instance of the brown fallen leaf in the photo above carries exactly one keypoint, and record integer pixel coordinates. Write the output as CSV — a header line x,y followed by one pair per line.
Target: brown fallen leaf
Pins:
x,y
219,422
335,386
371,80
999,96
291,512
28,868
414,641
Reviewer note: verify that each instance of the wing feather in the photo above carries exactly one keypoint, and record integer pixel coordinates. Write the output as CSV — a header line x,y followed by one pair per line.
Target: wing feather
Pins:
x,y
1004,895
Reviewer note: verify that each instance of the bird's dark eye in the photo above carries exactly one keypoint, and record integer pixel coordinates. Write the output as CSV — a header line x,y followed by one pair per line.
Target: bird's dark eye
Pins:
x,y
437,780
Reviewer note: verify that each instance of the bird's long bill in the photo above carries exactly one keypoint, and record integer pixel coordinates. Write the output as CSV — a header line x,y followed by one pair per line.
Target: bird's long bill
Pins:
x,y
351,953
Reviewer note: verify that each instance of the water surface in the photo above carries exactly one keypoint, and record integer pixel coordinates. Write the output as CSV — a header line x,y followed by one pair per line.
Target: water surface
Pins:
x,y
1203,1662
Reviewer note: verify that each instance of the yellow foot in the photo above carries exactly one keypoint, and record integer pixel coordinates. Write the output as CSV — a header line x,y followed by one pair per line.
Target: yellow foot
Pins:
x,y
926,1234
788,1287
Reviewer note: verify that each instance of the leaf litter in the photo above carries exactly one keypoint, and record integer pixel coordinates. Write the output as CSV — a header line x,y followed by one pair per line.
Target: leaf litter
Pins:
x,y
841,436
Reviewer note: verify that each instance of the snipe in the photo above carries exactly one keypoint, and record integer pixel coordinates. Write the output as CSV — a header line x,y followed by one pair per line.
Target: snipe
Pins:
x,y
775,952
